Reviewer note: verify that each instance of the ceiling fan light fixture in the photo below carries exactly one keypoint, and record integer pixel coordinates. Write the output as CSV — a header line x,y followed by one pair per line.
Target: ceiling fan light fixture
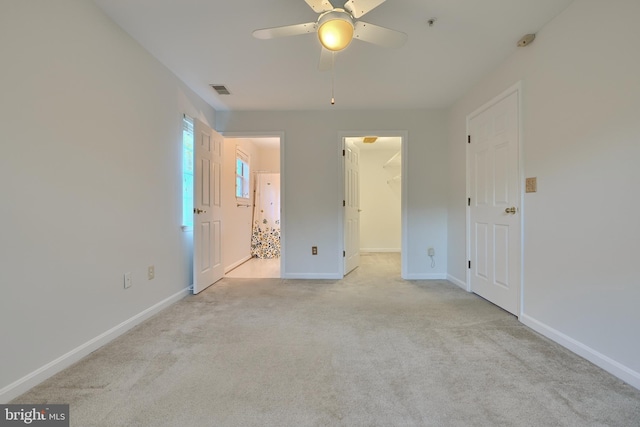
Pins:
x,y
335,30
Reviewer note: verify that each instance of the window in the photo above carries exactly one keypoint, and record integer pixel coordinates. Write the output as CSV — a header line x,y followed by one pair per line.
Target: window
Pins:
x,y
242,175
187,172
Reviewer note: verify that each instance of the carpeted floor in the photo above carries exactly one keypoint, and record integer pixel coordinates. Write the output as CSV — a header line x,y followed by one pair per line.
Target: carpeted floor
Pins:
x,y
369,350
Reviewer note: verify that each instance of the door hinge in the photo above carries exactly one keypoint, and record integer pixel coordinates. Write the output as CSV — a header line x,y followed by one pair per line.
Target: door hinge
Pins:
x,y
469,264
343,153
344,203
468,201
468,139
344,254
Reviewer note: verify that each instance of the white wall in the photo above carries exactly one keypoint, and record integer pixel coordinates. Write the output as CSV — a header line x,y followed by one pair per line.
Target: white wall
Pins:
x,y
90,177
380,198
581,105
236,230
268,159
313,192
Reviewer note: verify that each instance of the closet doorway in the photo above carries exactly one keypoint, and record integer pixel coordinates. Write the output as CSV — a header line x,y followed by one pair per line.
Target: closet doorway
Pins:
x,y
252,221
373,194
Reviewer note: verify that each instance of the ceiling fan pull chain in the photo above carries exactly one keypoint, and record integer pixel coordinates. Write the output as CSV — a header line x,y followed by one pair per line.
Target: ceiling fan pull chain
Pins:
x,y
333,76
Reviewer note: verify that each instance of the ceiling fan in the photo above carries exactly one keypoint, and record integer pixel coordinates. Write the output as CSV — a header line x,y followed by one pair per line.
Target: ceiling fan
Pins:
x,y
336,27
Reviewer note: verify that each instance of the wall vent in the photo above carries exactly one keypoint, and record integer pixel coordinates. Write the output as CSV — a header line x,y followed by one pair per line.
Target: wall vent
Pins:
x,y
221,89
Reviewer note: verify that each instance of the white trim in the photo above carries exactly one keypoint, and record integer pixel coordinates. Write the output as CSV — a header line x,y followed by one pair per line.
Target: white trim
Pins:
x,y
373,250
523,209
237,264
25,383
457,281
467,255
283,222
617,369
420,276
404,136
517,89
312,276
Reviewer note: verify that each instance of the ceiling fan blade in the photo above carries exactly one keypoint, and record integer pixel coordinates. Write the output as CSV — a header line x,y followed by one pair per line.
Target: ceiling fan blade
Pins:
x,y
320,6
326,60
378,35
288,30
358,8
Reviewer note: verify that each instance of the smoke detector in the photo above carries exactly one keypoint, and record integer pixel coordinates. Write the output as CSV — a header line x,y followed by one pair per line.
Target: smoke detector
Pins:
x,y
526,40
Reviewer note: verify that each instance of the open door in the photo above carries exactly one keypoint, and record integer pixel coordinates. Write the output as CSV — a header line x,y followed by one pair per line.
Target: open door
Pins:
x,y
351,207
494,212
207,209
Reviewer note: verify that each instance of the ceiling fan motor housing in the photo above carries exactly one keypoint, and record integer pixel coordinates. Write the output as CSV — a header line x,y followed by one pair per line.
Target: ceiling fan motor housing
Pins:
x,y
335,29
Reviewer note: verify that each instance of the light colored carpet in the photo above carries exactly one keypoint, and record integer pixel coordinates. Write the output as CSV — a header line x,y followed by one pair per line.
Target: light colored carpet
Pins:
x,y
369,350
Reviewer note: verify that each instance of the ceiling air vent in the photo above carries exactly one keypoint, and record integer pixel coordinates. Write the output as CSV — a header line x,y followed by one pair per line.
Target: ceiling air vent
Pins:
x,y
221,89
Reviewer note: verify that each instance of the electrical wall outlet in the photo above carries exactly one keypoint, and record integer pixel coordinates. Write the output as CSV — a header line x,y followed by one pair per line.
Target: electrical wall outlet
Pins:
x,y
151,272
127,280
314,250
431,252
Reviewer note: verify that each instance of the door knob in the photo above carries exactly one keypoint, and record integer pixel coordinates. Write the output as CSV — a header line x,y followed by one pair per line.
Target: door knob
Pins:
x,y
198,211
510,210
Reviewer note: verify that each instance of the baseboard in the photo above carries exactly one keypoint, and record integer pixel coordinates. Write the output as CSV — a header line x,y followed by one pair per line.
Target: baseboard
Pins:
x,y
312,276
384,250
457,281
27,382
615,368
420,276
237,264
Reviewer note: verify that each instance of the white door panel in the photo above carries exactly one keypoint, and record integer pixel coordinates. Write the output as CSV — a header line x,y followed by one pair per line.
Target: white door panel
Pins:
x,y
207,257
352,206
494,185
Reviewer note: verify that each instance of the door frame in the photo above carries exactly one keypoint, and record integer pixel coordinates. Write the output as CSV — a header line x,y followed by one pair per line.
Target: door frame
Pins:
x,y
272,134
404,137
516,88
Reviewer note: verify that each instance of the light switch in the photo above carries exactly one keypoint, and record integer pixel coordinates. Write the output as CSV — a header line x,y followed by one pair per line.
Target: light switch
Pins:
x,y
531,185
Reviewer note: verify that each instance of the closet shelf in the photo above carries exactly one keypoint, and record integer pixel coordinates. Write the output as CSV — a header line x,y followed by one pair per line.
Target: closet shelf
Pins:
x,y
394,161
394,179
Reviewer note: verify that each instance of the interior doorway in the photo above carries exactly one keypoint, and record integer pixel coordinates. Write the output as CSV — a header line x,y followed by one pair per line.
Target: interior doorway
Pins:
x,y
252,219
373,197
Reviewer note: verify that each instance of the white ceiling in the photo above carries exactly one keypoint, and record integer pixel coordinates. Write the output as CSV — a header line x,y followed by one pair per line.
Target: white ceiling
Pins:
x,y
210,42
265,142
382,143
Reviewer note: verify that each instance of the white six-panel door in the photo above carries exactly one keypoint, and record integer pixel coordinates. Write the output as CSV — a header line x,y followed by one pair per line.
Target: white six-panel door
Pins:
x,y
352,206
207,212
494,211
